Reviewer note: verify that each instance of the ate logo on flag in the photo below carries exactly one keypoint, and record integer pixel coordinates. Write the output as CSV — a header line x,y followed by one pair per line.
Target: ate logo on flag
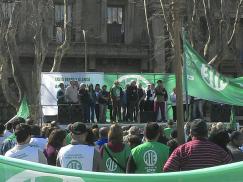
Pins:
x,y
213,79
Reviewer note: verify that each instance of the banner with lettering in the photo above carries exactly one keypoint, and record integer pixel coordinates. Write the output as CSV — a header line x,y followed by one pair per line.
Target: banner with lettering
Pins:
x,y
206,83
50,82
15,170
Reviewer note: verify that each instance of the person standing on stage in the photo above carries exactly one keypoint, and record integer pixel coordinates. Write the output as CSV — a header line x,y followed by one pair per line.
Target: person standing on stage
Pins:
x,y
150,97
71,93
97,107
161,97
85,102
116,96
141,97
132,100
103,102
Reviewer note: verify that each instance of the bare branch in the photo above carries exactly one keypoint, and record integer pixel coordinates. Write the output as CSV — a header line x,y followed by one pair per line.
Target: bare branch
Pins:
x,y
62,50
13,49
237,16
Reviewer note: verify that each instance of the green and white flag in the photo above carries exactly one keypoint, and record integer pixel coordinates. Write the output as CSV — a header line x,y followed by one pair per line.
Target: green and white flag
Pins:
x,y
233,122
24,109
13,170
206,83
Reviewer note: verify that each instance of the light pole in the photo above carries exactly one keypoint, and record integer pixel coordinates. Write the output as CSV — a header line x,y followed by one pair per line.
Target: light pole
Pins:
x,y
85,52
179,88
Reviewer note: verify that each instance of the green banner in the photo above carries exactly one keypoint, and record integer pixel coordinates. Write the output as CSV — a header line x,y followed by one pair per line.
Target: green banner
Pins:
x,y
145,79
206,83
14,170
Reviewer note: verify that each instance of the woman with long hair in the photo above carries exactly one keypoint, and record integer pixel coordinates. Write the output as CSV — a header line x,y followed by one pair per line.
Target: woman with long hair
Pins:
x,y
56,140
115,154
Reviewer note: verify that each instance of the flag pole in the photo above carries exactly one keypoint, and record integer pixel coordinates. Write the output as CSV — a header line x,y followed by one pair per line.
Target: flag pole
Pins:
x,y
178,61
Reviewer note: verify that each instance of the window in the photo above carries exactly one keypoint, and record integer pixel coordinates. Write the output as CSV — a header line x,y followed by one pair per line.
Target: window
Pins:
x,y
7,8
59,22
115,25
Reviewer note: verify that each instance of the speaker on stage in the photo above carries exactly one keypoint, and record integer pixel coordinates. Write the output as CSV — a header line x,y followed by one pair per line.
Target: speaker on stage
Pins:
x,y
220,113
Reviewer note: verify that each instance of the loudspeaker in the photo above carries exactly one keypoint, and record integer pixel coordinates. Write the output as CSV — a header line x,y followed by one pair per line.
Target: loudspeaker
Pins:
x,y
147,116
220,113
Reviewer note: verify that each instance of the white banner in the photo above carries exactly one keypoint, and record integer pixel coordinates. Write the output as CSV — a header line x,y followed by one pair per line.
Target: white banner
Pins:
x,y
50,82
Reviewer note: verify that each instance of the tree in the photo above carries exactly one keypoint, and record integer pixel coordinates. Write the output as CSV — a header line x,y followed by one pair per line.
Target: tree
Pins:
x,y
211,25
40,14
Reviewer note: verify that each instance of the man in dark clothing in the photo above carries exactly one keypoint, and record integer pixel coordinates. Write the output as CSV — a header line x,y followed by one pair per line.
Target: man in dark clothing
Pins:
x,y
236,141
116,96
103,103
84,98
132,100
161,97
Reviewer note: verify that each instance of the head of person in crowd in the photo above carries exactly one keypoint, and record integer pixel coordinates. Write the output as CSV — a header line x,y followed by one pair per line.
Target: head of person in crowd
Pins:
x,y
15,123
91,87
57,138
127,85
152,86
61,86
9,127
134,130
160,83
104,87
117,83
95,126
97,87
35,131
170,124
103,132
2,128
22,133
236,139
96,133
140,86
199,129
220,138
149,87
82,86
90,137
115,134
29,121
162,137
134,141
21,120
72,83
133,83
174,134
54,124
79,133
152,132
76,83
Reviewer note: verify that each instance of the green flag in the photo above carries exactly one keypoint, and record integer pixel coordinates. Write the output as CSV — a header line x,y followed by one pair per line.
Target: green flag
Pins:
x,y
232,124
23,109
13,170
206,83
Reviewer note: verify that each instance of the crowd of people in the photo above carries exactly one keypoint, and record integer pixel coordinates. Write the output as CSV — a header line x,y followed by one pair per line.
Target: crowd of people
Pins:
x,y
122,149
124,104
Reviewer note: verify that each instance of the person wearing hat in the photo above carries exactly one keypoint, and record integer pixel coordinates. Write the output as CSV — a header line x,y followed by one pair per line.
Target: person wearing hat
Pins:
x,y
80,154
198,153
